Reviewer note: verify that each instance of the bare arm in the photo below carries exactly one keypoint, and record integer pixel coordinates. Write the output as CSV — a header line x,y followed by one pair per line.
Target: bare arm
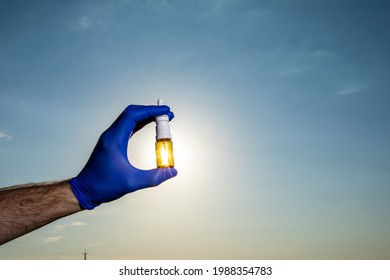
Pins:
x,y
25,208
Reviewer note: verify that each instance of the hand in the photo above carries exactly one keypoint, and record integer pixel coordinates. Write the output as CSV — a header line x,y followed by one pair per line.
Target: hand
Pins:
x,y
108,174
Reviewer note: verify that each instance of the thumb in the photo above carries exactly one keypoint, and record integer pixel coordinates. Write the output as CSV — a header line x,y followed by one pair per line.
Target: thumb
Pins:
x,y
155,177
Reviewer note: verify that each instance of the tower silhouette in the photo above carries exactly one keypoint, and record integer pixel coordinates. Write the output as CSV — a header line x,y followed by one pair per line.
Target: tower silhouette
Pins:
x,y
85,254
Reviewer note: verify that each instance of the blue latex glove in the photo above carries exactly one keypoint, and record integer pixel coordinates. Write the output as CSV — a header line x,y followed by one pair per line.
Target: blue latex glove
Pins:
x,y
108,175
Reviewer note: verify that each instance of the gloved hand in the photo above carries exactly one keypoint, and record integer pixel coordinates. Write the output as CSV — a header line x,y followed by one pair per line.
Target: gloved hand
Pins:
x,y
108,174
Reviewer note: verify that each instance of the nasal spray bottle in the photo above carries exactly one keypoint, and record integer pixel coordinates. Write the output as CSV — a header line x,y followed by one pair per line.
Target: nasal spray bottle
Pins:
x,y
164,146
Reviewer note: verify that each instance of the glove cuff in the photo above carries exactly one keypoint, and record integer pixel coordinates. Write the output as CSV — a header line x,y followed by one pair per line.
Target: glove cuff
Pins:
x,y
76,186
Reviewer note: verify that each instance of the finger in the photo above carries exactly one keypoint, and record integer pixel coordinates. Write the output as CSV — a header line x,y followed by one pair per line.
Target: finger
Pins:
x,y
141,113
131,116
155,177
170,115
141,124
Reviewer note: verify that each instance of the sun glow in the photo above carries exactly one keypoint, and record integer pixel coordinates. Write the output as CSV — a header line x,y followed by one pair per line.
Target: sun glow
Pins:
x,y
164,153
190,153
164,157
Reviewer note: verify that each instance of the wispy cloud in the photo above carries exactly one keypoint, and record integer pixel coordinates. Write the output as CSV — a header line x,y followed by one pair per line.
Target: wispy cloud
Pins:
x,y
84,23
5,136
295,70
53,239
349,90
96,18
59,228
323,54
78,224
303,61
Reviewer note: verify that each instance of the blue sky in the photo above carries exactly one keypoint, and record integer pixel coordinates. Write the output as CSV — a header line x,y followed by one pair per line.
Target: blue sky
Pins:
x,y
281,131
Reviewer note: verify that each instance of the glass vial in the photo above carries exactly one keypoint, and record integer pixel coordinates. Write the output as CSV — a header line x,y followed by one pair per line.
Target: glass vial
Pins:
x,y
164,145
164,153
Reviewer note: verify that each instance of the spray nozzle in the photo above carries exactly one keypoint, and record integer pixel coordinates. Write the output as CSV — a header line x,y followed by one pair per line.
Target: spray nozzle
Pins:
x,y
162,124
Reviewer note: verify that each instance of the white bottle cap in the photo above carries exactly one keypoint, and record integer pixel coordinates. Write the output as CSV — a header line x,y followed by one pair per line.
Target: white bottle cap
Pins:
x,y
162,124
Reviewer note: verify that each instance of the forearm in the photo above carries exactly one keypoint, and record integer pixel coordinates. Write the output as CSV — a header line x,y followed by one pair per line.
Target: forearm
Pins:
x,y
27,207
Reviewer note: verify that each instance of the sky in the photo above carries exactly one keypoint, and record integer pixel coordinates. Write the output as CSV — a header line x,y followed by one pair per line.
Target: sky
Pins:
x,y
281,130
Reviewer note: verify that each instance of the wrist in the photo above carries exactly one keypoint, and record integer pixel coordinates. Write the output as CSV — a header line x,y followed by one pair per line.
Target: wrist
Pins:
x,y
77,187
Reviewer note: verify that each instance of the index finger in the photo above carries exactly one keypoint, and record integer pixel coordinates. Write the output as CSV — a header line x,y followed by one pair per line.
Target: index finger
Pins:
x,y
134,117
141,112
